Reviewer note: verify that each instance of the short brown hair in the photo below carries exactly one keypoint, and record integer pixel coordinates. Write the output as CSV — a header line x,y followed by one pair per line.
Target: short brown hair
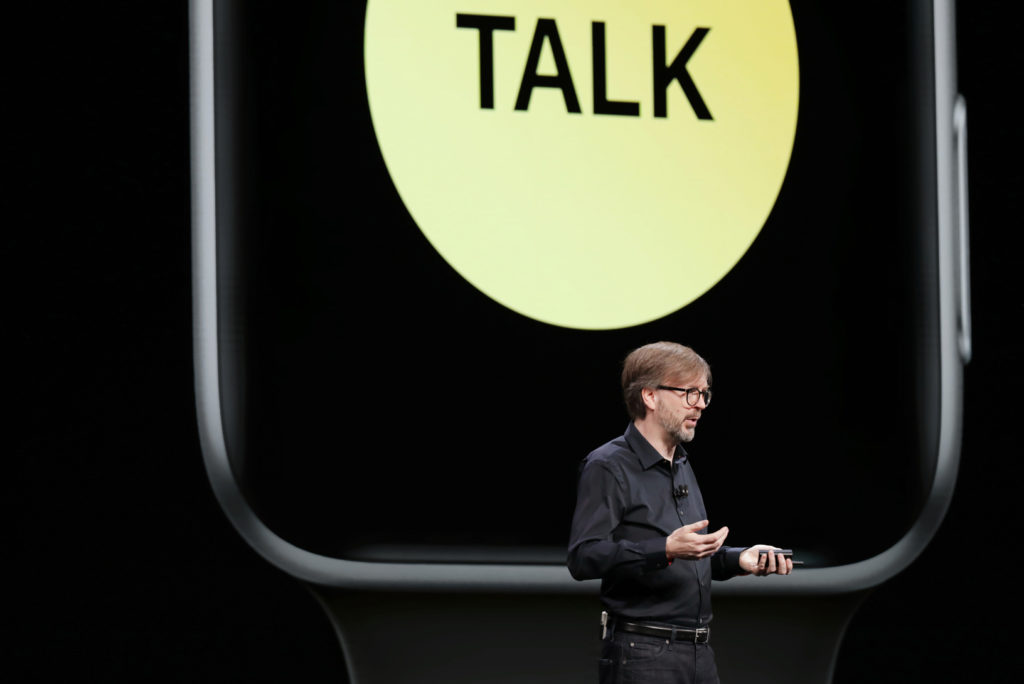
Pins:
x,y
654,364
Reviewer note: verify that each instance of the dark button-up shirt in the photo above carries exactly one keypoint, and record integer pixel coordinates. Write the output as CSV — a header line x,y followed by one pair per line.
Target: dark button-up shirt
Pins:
x,y
629,500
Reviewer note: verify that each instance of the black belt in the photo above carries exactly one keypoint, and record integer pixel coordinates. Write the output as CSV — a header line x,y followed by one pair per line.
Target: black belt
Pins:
x,y
697,636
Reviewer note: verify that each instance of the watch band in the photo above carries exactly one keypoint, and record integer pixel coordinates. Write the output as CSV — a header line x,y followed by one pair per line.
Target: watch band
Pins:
x,y
402,637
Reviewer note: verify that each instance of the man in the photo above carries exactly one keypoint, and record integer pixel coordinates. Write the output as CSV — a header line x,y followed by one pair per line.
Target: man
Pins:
x,y
641,527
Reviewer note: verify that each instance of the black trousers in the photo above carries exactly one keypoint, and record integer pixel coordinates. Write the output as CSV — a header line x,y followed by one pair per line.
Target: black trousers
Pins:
x,y
637,658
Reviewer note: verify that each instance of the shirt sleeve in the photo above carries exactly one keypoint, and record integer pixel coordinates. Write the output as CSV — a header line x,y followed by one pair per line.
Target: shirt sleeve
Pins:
x,y
725,562
593,550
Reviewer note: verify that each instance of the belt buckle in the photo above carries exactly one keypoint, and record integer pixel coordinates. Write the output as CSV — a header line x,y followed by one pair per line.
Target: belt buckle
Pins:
x,y
701,632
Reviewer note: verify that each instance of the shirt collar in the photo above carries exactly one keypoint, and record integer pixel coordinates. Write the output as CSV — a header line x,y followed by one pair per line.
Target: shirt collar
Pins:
x,y
647,454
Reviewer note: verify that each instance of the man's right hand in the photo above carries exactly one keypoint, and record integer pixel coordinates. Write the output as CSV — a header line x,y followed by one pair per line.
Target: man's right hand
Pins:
x,y
687,542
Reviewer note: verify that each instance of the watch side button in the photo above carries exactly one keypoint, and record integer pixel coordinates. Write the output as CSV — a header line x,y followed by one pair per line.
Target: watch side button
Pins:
x,y
962,240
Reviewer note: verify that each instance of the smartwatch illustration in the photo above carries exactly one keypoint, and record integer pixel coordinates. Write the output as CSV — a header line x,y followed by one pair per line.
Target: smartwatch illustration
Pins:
x,y
424,234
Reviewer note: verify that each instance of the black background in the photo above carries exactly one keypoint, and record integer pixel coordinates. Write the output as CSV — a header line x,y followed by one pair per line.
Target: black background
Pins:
x,y
123,568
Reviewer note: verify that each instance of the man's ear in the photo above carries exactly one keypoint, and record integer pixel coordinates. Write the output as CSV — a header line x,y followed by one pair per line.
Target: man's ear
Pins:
x,y
649,395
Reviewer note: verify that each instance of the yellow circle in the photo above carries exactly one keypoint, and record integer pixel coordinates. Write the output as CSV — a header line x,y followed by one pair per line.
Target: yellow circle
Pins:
x,y
606,210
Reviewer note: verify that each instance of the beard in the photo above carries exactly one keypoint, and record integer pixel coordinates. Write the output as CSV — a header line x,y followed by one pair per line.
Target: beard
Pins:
x,y
676,428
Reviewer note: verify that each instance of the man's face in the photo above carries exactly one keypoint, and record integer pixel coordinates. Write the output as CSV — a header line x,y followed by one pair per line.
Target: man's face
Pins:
x,y
676,416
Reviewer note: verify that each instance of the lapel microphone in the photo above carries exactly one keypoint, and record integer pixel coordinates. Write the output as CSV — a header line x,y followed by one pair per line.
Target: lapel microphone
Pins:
x,y
680,491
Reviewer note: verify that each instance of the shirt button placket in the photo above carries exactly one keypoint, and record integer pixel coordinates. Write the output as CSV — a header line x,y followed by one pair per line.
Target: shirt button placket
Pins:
x,y
681,502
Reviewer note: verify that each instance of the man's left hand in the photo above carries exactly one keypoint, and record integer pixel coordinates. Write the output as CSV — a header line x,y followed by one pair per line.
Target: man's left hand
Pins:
x,y
754,562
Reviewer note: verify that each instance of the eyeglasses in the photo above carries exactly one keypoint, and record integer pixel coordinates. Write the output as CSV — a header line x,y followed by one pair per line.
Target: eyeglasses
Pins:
x,y
692,394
